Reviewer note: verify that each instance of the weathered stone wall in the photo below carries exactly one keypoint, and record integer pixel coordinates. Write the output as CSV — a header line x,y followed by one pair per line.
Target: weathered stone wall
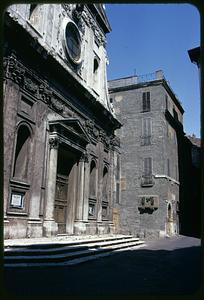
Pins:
x,y
47,26
128,107
56,106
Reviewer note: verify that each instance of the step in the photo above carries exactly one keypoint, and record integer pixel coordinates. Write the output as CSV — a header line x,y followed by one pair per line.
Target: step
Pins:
x,y
68,258
47,243
65,248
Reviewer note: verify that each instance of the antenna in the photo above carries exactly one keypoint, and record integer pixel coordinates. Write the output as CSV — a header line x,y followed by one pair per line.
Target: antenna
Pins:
x,y
134,72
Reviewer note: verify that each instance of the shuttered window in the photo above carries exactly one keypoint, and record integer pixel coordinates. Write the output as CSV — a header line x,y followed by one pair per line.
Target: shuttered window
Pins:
x,y
146,101
146,131
148,166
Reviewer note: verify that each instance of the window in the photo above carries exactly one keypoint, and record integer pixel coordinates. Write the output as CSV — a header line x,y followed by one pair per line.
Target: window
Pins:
x,y
147,178
146,131
73,42
175,114
95,65
147,166
21,160
146,101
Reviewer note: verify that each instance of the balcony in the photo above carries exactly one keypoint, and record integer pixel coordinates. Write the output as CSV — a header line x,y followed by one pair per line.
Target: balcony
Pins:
x,y
147,181
146,140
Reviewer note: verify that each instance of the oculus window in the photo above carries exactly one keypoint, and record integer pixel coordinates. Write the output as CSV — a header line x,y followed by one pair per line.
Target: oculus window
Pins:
x,y
73,42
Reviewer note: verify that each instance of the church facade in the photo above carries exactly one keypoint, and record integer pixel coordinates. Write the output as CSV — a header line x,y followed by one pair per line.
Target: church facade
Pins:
x,y
59,126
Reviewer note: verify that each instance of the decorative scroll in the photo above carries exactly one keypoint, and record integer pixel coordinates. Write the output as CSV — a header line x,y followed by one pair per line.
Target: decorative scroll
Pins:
x,y
54,143
91,129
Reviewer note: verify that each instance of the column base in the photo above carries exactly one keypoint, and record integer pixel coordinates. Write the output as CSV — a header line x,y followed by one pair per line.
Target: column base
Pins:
x,y
34,228
105,228
80,227
6,229
50,228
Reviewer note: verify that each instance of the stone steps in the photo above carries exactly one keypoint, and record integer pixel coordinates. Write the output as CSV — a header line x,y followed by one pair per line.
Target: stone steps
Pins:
x,y
65,253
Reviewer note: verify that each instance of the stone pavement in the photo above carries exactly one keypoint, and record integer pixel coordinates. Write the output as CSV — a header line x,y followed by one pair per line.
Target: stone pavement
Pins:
x,y
169,266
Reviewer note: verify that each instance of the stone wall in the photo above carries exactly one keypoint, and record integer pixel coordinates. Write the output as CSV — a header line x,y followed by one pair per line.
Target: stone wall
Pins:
x,y
165,188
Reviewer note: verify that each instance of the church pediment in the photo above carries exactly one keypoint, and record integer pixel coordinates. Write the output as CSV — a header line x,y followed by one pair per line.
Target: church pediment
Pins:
x,y
70,130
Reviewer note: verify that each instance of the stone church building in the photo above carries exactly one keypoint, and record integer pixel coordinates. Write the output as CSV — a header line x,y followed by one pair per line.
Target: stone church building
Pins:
x,y
147,201
59,140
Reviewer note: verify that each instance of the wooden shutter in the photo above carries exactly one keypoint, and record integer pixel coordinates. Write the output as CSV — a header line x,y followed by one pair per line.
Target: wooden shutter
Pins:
x,y
146,101
148,166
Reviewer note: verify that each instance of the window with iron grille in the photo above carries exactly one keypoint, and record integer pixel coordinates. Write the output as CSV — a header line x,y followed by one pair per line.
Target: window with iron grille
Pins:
x,y
146,131
146,101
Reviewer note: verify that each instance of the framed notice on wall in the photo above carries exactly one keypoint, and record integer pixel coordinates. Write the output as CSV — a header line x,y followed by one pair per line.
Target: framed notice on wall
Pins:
x,y
17,199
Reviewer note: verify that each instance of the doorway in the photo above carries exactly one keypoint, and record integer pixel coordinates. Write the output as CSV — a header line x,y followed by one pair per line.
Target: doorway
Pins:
x,y
64,185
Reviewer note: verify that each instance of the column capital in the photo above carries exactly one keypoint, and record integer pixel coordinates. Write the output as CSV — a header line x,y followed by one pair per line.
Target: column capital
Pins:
x,y
84,157
54,142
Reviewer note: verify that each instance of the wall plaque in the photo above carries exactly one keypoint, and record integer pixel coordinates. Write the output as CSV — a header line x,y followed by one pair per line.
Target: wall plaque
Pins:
x,y
17,200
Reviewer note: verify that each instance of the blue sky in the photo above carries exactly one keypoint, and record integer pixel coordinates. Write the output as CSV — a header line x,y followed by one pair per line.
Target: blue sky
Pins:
x,y
150,37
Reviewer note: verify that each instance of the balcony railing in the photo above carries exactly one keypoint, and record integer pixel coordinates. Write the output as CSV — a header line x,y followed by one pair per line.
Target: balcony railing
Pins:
x,y
147,180
146,140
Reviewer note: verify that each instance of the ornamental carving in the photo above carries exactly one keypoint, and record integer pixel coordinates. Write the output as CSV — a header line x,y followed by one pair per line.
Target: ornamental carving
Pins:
x,y
91,129
68,8
84,157
77,16
115,141
56,104
83,16
30,85
16,71
54,143
45,93
104,138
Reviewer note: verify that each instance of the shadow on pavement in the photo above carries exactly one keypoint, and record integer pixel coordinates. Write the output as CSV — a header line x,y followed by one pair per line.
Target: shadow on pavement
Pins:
x,y
130,272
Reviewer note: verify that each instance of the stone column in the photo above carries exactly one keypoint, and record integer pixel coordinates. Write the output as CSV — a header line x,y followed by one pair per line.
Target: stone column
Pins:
x,y
79,226
86,189
50,227
80,196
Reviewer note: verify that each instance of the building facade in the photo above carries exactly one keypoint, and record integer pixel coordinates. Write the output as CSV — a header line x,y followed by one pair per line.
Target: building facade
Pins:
x,y
59,140
147,202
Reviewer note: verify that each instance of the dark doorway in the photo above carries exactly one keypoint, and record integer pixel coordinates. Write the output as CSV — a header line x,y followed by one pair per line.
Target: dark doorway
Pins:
x,y
66,161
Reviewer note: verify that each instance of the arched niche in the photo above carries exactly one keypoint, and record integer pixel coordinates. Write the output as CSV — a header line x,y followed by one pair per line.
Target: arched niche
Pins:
x,y
22,152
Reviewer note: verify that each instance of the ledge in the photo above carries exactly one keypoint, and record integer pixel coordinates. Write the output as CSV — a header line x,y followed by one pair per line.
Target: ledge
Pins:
x,y
167,177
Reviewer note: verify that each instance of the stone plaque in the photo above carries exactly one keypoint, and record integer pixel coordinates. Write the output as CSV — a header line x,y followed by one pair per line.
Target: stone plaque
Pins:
x,y
17,200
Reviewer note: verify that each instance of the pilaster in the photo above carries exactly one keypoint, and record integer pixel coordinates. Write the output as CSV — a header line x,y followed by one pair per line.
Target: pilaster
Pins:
x,y
50,227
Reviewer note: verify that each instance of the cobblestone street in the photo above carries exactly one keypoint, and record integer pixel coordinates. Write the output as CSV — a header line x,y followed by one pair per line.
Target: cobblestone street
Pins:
x,y
167,266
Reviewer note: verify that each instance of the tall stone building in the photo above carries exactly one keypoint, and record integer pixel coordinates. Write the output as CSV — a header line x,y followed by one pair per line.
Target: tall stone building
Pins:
x,y
147,201
59,125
